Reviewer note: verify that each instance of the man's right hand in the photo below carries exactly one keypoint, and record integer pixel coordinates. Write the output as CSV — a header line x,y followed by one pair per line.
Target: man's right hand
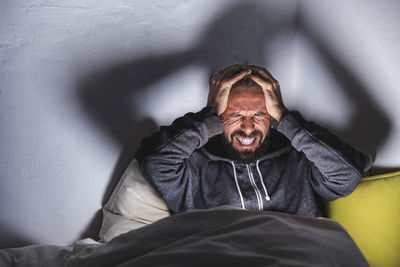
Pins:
x,y
220,87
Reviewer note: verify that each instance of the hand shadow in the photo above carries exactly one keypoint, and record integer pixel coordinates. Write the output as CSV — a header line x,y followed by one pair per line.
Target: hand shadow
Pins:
x,y
106,94
236,36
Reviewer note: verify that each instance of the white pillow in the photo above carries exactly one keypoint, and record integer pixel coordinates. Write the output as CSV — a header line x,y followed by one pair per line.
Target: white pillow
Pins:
x,y
133,204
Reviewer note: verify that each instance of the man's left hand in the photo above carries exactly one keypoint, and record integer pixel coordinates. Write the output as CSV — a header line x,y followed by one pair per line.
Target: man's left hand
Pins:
x,y
272,92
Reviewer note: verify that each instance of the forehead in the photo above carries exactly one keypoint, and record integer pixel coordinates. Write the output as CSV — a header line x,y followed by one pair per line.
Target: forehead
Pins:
x,y
250,99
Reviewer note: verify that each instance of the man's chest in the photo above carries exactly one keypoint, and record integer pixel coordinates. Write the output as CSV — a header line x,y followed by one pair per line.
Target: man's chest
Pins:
x,y
271,184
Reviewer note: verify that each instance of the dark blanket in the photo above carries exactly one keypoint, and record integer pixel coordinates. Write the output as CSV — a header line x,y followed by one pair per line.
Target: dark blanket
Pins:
x,y
219,237
229,238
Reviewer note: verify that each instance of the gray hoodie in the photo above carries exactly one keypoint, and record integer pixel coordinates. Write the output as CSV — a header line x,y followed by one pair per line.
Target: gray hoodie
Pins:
x,y
302,167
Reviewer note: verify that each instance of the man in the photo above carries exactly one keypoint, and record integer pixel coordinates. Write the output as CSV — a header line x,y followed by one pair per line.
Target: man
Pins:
x,y
246,149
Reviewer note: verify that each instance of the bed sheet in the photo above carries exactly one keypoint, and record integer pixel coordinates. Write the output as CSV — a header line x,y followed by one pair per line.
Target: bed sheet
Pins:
x,y
222,237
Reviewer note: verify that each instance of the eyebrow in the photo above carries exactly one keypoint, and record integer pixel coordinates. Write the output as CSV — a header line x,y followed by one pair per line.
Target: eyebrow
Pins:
x,y
234,114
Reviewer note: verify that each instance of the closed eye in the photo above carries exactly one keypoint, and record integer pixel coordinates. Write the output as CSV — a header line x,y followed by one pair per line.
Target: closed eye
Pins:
x,y
235,115
260,114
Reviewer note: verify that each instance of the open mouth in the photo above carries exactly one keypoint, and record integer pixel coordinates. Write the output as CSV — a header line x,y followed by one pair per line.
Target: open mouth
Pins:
x,y
246,141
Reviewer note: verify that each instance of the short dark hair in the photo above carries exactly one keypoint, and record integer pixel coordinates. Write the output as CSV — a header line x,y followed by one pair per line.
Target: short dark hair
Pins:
x,y
234,70
246,82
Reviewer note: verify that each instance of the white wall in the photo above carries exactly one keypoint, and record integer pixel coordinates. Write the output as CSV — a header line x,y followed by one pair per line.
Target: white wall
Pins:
x,y
81,82
347,73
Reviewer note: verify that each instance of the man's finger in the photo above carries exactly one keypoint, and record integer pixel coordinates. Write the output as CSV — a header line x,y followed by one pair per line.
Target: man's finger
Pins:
x,y
263,73
238,77
261,82
269,79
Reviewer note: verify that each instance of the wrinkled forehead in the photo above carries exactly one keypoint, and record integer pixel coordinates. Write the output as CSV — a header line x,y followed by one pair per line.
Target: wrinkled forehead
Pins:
x,y
246,99
242,91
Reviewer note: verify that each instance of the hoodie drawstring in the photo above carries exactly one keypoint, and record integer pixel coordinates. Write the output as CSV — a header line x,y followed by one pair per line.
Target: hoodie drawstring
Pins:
x,y
262,182
237,184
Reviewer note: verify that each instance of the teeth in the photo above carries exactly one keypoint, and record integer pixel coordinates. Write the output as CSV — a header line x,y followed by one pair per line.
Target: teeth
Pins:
x,y
245,141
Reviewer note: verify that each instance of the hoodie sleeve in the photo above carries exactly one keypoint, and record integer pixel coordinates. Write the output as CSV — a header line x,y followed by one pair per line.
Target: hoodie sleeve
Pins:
x,y
336,168
163,157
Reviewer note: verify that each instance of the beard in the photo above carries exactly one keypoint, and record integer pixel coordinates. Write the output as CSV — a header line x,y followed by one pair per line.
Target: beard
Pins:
x,y
247,155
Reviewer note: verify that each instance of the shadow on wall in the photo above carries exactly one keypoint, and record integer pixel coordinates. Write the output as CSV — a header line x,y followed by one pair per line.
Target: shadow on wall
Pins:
x,y
106,94
239,35
369,125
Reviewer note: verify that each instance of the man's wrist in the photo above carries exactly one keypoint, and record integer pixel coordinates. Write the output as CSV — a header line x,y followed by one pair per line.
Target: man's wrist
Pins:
x,y
281,115
275,121
213,122
290,124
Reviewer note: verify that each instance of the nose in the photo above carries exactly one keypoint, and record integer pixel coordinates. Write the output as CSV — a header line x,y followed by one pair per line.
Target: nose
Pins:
x,y
247,125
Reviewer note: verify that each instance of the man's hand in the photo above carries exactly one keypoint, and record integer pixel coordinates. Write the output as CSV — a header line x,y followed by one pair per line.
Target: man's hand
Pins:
x,y
220,87
272,92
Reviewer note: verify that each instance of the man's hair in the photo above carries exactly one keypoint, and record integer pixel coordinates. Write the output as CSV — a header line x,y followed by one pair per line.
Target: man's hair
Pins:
x,y
231,71
245,83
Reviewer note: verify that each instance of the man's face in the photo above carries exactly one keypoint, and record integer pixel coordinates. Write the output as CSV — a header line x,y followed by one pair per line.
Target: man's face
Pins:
x,y
246,121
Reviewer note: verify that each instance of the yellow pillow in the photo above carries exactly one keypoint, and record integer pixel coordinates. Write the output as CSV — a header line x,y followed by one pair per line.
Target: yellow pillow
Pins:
x,y
371,215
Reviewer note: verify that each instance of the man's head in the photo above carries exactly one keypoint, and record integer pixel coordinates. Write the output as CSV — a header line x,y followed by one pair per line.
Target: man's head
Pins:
x,y
246,119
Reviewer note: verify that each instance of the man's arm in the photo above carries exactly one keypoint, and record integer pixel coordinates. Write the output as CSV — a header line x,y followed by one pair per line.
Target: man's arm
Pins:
x,y
163,156
336,168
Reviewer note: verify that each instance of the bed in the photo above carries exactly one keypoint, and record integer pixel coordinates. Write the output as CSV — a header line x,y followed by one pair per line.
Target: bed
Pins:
x,y
137,230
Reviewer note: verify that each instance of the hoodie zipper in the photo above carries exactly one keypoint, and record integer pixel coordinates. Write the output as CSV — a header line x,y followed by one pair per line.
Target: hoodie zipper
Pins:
x,y
237,185
256,190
